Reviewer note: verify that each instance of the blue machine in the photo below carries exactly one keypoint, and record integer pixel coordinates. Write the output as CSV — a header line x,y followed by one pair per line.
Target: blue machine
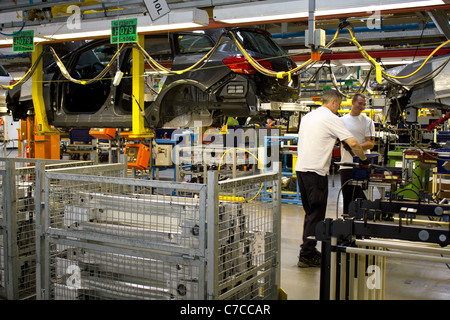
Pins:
x,y
364,173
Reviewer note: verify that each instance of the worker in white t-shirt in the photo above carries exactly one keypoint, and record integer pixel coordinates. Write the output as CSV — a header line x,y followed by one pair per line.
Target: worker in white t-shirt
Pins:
x,y
317,136
363,129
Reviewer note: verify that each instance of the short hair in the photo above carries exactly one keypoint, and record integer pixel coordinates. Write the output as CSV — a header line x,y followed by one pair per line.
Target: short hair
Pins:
x,y
357,95
331,95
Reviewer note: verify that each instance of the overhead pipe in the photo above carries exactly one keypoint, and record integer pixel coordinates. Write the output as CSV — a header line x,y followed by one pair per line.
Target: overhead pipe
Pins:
x,y
38,5
311,23
401,27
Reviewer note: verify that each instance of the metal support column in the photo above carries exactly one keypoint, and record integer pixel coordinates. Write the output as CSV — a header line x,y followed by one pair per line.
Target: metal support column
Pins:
x,y
39,220
326,261
312,23
138,124
10,243
276,196
315,54
212,210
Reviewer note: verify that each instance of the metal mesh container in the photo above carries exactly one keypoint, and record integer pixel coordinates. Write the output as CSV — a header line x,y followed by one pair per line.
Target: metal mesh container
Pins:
x,y
111,237
247,238
97,272
20,214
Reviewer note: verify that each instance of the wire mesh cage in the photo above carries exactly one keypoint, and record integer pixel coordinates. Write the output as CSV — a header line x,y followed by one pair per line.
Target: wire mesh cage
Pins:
x,y
142,212
2,232
84,272
24,182
247,239
2,174
149,235
21,194
126,238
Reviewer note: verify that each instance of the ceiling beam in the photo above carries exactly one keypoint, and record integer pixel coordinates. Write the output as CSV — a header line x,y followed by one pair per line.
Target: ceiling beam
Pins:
x,y
406,37
36,5
440,18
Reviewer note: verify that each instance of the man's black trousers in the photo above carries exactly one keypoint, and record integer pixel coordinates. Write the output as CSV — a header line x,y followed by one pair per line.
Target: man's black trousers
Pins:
x,y
314,192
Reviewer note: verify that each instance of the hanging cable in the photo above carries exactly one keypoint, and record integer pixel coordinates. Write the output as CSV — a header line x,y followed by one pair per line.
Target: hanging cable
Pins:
x,y
376,64
27,75
153,62
271,73
98,77
366,81
14,33
334,81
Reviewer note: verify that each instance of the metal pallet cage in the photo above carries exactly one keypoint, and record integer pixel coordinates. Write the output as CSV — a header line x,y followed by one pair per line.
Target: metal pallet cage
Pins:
x,y
246,239
111,237
20,198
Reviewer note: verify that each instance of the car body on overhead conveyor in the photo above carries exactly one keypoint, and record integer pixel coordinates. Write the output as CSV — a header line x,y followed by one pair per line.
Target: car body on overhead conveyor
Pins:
x,y
421,84
225,85
5,79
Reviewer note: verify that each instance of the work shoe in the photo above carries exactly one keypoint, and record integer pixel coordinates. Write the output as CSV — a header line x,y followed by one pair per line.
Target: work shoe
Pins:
x,y
310,262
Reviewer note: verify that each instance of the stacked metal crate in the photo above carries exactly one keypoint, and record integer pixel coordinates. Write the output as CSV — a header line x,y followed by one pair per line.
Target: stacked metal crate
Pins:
x,y
21,194
134,239
121,238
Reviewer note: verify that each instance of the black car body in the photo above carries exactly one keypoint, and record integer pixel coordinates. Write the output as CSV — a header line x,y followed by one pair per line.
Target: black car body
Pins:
x,y
422,87
226,85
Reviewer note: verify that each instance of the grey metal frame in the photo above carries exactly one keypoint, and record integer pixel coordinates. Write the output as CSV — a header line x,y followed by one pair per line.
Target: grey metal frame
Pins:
x,y
3,235
356,254
20,263
241,285
135,246
201,256
354,263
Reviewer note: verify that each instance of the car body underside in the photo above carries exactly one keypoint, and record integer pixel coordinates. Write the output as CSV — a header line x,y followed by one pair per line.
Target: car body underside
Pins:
x,y
208,94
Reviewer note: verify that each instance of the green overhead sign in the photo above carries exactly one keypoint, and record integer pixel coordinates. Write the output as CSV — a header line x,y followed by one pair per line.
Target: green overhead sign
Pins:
x,y
23,41
124,30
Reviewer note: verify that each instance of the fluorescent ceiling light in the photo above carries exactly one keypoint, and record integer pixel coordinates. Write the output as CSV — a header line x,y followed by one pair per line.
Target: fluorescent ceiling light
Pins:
x,y
318,65
176,19
6,42
174,26
387,63
40,39
279,10
261,11
9,41
325,7
308,101
83,34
